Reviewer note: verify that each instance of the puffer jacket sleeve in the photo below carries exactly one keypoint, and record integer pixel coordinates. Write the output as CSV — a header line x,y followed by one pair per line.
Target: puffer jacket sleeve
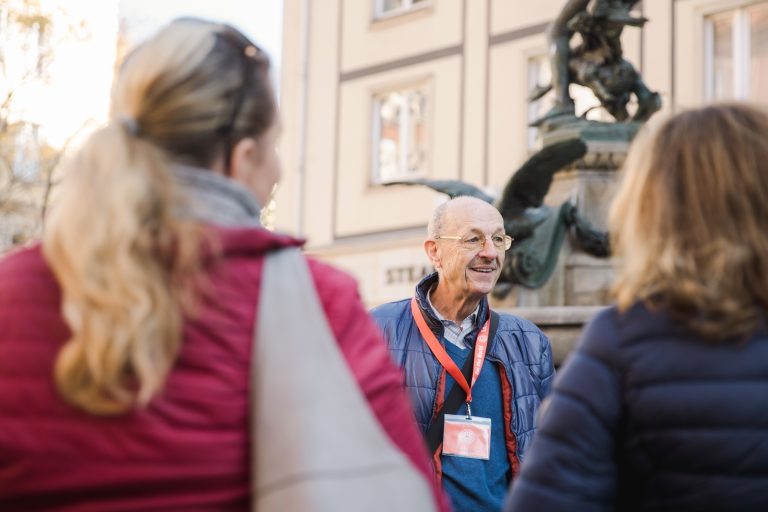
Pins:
x,y
546,368
571,464
379,379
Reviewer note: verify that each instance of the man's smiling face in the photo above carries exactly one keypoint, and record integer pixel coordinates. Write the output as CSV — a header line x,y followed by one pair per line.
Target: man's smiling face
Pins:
x,y
466,272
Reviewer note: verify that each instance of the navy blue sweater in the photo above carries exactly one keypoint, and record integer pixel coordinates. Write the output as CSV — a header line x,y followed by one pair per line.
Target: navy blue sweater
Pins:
x,y
647,416
475,484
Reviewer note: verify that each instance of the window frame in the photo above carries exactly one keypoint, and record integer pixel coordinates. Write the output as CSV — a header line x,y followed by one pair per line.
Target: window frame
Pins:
x,y
379,13
741,34
374,178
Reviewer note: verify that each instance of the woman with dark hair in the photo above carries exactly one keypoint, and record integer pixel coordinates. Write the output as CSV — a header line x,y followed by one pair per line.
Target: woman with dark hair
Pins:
x,y
126,337
664,403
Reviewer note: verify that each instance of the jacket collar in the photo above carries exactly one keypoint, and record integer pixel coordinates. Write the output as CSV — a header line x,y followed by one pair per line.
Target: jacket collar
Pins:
x,y
422,289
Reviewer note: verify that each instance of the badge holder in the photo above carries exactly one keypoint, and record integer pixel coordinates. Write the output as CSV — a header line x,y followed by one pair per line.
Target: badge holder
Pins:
x,y
467,436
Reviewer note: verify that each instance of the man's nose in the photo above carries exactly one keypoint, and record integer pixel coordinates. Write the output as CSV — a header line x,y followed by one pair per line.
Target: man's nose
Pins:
x,y
489,250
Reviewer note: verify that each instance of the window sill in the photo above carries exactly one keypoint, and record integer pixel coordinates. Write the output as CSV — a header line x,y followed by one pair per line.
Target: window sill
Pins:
x,y
384,19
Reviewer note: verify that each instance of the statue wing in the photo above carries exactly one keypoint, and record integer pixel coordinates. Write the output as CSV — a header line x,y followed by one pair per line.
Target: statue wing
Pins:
x,y
530,183
453,188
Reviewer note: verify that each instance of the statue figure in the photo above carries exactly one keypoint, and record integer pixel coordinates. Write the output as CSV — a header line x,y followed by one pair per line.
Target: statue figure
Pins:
x,y
538,230
597,62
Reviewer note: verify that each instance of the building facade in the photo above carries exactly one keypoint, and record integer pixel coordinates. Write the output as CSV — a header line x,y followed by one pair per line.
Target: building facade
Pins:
x,y
375,91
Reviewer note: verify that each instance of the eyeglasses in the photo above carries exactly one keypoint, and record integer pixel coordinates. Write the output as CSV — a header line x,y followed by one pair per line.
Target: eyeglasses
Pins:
x,y
474,242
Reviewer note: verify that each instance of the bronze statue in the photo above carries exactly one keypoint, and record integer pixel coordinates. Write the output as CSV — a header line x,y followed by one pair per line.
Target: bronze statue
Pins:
x,y
538,230
597,62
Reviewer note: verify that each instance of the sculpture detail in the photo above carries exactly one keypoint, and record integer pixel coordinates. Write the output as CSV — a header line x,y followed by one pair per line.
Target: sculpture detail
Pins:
x,y
597,62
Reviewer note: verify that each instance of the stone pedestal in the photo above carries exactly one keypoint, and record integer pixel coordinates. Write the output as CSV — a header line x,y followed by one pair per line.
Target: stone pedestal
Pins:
x,y
562,324
580,284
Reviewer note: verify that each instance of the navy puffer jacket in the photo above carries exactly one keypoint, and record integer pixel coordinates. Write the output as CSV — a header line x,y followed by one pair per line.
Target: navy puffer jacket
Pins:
x,y
646,416
520,350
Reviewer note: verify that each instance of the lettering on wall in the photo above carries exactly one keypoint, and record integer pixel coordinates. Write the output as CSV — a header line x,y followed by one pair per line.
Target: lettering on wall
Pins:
x,y
407,274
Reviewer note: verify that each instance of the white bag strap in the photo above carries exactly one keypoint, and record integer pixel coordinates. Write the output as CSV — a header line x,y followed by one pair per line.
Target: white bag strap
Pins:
x,y
317,446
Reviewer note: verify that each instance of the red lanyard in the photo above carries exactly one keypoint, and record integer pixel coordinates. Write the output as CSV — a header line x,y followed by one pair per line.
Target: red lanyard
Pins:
x,y
437,349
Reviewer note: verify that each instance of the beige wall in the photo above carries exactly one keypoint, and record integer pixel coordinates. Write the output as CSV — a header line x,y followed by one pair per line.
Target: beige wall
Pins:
x,y
474,57
369,42
509,16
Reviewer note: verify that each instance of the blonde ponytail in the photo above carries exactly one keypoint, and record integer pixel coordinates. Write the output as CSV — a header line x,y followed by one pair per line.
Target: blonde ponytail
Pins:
x,y
128,265
126,268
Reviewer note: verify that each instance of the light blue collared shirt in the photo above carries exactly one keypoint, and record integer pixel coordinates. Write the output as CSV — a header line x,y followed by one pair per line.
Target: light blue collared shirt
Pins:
x,y
454,332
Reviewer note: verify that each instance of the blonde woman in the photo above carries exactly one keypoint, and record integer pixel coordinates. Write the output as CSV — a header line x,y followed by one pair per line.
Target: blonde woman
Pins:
x,y
664,404
125,338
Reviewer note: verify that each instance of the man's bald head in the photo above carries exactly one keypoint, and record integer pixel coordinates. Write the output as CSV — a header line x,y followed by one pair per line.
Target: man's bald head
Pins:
x,y
457,209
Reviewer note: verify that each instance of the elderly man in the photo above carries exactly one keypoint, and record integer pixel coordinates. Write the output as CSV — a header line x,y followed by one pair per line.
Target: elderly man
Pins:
x,y
476,378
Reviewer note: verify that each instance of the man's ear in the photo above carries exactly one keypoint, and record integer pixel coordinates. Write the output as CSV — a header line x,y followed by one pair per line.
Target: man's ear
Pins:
x,y
433,252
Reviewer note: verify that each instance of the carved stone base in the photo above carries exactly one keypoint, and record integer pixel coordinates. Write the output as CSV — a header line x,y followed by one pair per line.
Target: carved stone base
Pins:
x,y
562,325
607,143
578,279
580,284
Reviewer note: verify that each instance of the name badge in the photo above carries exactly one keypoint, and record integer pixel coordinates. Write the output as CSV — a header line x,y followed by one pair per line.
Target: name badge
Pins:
x,y
467,437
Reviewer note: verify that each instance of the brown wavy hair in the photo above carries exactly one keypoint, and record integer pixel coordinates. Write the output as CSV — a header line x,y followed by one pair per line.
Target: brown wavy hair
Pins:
x,y
689,221
126,262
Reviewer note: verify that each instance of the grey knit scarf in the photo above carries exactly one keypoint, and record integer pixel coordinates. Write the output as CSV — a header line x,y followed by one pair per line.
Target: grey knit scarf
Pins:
x,y
212,198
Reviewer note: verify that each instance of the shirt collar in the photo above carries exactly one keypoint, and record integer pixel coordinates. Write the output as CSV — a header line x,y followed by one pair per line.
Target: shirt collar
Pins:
x,y
465,324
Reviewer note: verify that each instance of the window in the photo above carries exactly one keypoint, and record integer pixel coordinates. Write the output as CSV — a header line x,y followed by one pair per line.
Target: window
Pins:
x,y
736,58
538,74
388,8
399,134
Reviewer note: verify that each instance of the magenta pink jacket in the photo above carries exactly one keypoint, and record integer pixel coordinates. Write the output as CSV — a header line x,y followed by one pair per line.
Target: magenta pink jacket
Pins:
x,y
189,450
